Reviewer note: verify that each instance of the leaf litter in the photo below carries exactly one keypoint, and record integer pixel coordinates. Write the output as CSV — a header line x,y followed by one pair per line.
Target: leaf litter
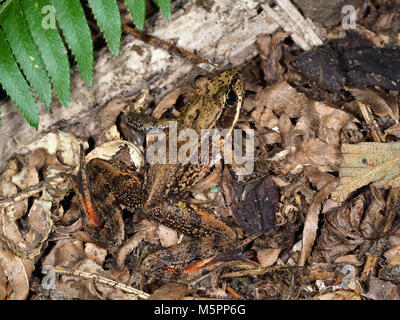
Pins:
x,y
328,201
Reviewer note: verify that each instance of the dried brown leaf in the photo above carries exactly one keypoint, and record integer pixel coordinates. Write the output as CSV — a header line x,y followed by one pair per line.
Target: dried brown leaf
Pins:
x,y
283,98
267,257
65,144
95,253
18,272
380,103
340,294
314,152
65,253
393,130
170,291
349,227
331,122
40,222
368,162
393,255
382,290
311,223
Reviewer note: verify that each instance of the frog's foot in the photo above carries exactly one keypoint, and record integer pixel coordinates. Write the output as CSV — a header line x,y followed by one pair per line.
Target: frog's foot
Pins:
x,y
191,260
245,172
192,218
135,126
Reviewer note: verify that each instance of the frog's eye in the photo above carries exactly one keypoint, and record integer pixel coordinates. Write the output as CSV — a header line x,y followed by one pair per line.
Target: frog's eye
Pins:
x,y
231,99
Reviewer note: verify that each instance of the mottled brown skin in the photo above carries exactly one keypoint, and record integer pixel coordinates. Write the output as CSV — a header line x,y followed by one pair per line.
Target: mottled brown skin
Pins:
x,y
96,189
215,103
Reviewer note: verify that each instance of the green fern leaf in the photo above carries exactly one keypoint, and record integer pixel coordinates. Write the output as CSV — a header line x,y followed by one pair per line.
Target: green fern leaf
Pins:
x,y
51,47
72,21
165,7
4,6
25,51
108,18
137,9
15,84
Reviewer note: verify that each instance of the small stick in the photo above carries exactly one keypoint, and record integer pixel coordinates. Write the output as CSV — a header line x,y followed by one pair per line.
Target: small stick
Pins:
x,y
234,293
258,272
159,43
372,260
101,280
26,193
371,122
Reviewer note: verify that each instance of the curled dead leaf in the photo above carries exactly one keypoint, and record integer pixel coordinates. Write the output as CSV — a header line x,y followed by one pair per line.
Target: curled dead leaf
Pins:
x,y
109,149
380,103
348,229
315,152
18,272
311,223
65,144
40,222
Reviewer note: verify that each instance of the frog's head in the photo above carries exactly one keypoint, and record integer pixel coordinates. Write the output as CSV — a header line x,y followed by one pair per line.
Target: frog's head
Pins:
x,y
215,102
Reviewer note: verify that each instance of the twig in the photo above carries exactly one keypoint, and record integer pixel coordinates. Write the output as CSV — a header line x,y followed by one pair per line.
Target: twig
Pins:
x,y
291,20
257,272
234,293
26,193
159,43
371,122
96,278
372,260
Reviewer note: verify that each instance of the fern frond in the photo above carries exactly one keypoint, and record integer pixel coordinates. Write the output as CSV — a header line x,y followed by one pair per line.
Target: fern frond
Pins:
x,y
50,45
71,19
108,18
165,7
137,9
15,84
25,52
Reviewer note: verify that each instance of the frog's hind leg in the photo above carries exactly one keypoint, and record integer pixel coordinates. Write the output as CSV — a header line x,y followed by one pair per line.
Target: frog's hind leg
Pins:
x,y
192,218
192,260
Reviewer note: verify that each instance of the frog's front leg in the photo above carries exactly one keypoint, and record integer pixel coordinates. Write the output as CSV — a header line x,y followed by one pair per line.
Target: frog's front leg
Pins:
x,y
188,217
135,126
102,187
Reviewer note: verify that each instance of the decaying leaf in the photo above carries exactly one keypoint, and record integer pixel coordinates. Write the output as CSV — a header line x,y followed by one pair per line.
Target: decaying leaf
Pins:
x,y
340,294
253,207
65,144
368,162
170,291
348,229
311,223
381,104
314,152
382,290
267,257
18,271
40,222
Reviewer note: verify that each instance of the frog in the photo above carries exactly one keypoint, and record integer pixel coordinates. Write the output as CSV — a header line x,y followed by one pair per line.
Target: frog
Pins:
x,y
162,192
